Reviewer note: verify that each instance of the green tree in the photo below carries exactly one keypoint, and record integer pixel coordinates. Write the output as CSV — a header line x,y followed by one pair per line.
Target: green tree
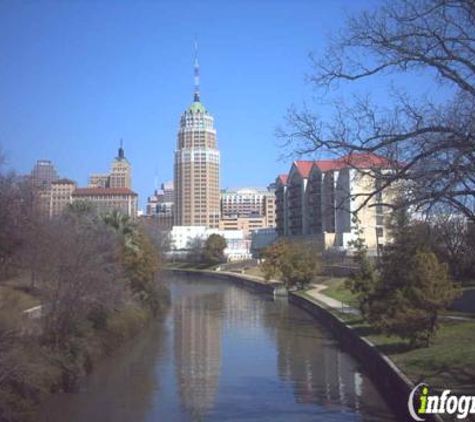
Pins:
x,y
296,263
411,308
140,259
299,265
363,281
213,252
141,264
271,259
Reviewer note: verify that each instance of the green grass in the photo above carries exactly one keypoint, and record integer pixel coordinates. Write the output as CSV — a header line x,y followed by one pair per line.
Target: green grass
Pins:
x,y
16,300
254,271
337,290
190,266
449,362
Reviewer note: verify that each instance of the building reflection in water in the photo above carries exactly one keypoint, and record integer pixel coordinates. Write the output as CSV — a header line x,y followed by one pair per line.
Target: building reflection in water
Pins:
x,y
197,348
320,372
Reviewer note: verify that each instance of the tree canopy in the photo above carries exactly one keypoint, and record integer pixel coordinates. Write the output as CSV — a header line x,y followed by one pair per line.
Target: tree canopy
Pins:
x,y
213,251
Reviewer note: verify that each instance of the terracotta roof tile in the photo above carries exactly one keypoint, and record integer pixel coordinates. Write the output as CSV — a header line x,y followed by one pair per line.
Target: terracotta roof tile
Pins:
x,y
304,167
63,181
327,165
103,191
365,160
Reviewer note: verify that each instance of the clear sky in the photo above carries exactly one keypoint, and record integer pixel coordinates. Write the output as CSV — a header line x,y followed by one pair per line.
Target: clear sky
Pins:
x,y
76,76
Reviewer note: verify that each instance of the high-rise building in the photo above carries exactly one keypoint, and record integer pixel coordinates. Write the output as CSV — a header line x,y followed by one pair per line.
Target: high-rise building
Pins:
x,y
196,169
43,174
121,173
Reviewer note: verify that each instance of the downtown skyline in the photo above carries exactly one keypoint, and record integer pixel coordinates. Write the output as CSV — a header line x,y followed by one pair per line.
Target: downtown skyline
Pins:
x,y
78,77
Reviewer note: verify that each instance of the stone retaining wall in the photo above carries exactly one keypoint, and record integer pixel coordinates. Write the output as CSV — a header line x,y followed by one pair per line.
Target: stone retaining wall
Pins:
x,y
238,279
393,385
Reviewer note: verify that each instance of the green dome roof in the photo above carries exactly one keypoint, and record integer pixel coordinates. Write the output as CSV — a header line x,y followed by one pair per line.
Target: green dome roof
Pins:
x,y
196,107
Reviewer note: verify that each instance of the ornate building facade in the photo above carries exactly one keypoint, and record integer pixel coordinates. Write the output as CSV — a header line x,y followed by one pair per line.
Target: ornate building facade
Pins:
x,y
196,167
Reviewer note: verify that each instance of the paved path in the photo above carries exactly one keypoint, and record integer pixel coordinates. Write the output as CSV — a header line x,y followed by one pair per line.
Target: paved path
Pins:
x,y
329,301
342,307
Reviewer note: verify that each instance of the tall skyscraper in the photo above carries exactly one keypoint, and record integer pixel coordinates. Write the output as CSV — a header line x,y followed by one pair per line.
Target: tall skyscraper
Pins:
x,y
121,173
196,169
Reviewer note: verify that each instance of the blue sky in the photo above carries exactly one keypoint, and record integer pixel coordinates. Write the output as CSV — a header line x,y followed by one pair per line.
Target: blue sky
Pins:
x,y
76,76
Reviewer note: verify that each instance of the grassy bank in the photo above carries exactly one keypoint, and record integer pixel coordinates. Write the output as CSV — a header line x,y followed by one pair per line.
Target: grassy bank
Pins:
x,y
337,290
33,368
449,362
179,265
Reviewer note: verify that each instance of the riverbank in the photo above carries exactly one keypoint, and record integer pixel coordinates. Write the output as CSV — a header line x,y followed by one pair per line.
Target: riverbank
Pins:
x,y
441,365
33,367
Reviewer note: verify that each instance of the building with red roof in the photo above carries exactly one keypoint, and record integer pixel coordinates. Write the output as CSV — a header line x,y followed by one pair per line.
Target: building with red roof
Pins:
x,y
320,198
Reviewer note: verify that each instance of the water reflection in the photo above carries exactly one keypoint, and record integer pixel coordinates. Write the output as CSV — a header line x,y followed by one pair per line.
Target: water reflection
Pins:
x,y
320,372
197,345
225,354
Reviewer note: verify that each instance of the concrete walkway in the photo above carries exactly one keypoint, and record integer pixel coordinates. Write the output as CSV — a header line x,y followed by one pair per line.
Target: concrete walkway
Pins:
x,y
329,301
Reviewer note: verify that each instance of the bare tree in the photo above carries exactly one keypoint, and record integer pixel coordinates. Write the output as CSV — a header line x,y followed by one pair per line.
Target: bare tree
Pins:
x,y
81,271
431,146
17,218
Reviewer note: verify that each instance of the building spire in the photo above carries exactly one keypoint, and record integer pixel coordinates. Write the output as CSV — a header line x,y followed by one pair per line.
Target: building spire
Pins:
x,y
197,74
121,149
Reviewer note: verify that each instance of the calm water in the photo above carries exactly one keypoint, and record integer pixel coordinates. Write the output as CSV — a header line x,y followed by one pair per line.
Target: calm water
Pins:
x,y
224,353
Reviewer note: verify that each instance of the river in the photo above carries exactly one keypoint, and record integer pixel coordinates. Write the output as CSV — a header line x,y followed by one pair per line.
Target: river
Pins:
x,y
224,353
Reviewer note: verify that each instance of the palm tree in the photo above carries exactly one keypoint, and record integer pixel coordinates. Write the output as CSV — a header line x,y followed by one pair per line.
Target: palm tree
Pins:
x,y
124,227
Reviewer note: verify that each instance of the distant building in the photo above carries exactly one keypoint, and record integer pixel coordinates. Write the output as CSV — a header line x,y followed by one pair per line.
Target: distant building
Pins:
x,y
320,198
182,237
106,199
98,180
246,224
160,206
43,174
248,202
261,239
119,177
60,195
196,169
121,173
247,209
168,192
281,207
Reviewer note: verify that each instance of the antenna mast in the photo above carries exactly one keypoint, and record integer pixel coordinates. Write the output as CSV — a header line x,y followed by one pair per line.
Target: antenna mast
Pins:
x,y
197,74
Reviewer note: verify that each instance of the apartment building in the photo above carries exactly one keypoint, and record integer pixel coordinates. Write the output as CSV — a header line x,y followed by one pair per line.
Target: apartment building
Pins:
x,y
321,198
